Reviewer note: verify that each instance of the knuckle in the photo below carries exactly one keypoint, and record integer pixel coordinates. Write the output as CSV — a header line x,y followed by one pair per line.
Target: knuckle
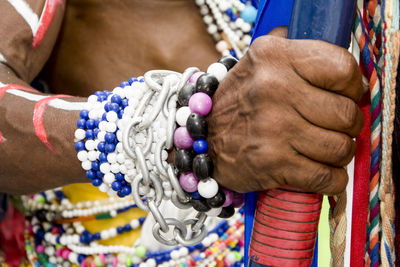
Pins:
x,y
348,67
348,113
344,150
320,179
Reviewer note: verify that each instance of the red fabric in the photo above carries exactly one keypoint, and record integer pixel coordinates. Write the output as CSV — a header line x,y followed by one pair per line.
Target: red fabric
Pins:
x,y
361,188
38,122
12,229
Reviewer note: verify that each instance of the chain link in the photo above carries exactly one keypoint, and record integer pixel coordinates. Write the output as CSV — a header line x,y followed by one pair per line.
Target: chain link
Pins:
x,y
164,85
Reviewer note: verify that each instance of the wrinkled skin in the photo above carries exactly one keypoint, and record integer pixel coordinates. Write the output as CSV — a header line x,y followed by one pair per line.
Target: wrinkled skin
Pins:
x,y
286,115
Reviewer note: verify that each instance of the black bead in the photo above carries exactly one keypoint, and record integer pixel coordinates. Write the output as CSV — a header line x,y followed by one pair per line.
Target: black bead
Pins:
x,y
41,215
202,166
185,93
183,160
228,61
197,126
207,83
200,205
218,200
227,212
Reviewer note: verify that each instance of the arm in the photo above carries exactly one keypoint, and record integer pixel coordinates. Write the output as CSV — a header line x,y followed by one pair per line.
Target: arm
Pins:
x,y
36,144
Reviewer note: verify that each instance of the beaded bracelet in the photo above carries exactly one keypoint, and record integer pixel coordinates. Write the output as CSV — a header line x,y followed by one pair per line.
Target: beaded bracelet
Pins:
x,y
122,141
191,159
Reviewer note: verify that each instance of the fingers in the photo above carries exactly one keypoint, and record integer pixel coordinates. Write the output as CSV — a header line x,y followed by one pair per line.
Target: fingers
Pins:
x,y
326,66
329,110
325,146
316,177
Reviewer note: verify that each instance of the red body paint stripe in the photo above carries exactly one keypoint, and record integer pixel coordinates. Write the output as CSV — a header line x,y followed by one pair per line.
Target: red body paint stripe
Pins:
x,y
4,89
361,188
38,122
1,138
45,21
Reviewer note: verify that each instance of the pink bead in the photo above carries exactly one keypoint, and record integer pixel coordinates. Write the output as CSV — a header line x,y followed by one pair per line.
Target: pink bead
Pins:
x,y
40,249
93,264
59,252
182,138
115,261
102,258
200,103
195,76
226,262
228,197
30,229
83,264
65,253
188,182
238,200
221,46
55,230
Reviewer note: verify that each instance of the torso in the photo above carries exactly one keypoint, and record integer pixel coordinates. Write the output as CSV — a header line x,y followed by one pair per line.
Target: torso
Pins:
x,y
103,43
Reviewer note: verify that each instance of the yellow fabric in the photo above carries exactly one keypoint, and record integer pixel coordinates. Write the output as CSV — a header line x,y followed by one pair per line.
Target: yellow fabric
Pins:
x,y
324,252
86,192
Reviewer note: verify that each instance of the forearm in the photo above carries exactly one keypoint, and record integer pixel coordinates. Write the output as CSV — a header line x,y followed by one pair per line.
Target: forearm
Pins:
x,y
37,143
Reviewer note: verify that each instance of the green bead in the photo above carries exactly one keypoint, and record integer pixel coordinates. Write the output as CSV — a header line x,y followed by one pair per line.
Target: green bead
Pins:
x,y
28,247
103,216
237,255
58,246
42,200
97,261
140,251
129,261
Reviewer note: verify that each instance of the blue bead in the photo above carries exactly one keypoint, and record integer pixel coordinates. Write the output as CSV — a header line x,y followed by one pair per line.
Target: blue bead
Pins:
x,y
98,93
107,107
120,114
114,107
120,229
109,138
116,99
196,195
79,146
49,264
97,182
101,146
124,103
84,114
116,186
200,146
81,123
90,124
96,236
126,190
249,14
110,148
198,246
96,132
96,165
103,157
120,194
99,174
119,176
127,227
123,84
141,80
89,134
141,220
81,258
132,80
159,259
97,123
58,238
91,174
104,116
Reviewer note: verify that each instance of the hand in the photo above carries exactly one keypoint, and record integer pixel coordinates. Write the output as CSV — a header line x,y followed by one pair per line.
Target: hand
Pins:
x,y
286,115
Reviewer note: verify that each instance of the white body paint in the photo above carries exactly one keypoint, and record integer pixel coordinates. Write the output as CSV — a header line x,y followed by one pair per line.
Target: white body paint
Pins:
x,y
27,13
2,58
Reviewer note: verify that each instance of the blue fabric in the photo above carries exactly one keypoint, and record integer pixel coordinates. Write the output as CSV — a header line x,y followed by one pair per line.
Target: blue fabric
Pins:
x,y
271,14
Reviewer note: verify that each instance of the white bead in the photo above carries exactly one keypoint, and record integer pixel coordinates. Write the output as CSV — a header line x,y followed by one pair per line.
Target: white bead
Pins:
x,y
86,165
101,135
119,147
112,232
199,2
207,188
104,234
73,257
119,135
80,134
246,27
135,224
212,28
109,178
214,212
246,39
111,127
174,255
93,114
182,115
151,262
112,158
231,258
103,188
218,70
105,167
208,19
113,213
92,99
92,155
123,169
115,168
90,145
102,125
112,116
183,251
121,258
120,158
82,155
